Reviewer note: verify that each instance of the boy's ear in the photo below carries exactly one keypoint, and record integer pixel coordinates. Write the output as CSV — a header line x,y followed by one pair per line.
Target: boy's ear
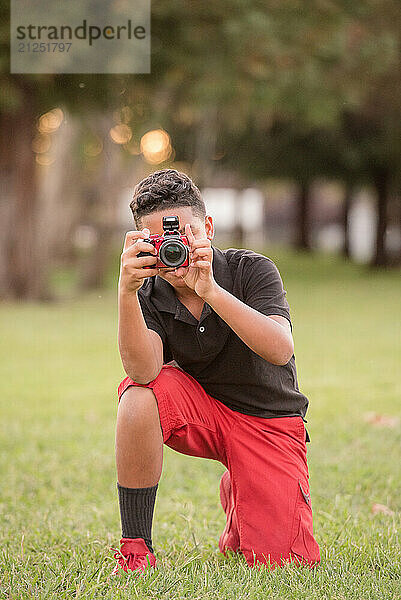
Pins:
x,y
209,227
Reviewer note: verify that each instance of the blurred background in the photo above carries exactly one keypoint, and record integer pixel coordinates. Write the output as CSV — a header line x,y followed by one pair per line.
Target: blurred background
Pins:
x,y
286,114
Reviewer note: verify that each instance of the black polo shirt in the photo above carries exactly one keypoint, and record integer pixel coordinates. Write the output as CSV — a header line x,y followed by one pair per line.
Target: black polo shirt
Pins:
x,y
212,353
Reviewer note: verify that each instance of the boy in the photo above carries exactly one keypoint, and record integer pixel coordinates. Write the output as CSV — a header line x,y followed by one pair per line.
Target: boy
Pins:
x,y
209,355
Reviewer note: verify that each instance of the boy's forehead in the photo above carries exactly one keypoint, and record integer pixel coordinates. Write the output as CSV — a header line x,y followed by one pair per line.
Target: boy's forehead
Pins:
x,y
184,214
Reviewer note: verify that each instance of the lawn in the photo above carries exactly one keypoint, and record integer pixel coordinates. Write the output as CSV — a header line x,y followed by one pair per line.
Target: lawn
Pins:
x,y
58,504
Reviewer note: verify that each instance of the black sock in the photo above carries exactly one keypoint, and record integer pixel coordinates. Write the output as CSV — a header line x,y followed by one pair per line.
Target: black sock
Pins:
x,y
136,510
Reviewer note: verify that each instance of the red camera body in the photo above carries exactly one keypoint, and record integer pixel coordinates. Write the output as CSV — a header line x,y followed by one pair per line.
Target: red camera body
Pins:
x,y
172,251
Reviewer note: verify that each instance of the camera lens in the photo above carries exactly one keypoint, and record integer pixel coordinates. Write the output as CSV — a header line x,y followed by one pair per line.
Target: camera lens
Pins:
x,y
173,253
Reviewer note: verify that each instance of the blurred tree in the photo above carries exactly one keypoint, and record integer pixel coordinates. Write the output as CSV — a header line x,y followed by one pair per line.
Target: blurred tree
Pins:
x,y
23,99
295,89
316,70
370,130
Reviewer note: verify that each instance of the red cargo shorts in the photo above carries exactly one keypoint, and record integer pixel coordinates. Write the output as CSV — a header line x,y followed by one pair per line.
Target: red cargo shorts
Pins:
x,y
266,459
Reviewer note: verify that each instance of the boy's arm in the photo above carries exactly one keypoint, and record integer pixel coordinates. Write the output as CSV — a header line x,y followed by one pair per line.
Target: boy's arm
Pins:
x,y
141,349
269,336
264,335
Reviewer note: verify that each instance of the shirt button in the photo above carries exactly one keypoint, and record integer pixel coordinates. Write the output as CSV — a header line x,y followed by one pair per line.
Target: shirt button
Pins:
x,y
201,329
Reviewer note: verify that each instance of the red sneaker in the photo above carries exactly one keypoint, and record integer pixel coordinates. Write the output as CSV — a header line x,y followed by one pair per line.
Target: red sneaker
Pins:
x,y
229,539
133,555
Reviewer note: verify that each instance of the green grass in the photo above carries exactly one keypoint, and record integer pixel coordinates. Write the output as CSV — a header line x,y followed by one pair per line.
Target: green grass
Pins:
x,y
58,503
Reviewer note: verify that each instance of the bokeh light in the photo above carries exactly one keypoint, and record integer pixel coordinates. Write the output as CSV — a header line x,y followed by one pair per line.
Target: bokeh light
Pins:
x,y
121,134
123,115
156,146
93,147
41,143
50,121
45,160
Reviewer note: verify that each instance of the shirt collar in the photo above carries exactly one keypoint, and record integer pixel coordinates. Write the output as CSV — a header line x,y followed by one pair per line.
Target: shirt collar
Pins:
x,y
163,296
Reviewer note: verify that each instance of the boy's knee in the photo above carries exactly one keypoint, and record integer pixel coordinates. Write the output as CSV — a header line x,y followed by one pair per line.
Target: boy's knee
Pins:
x,y
138,404
167,376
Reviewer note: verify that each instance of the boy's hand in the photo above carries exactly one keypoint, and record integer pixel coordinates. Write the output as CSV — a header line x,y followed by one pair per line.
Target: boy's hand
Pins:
x,y
199,275
132,273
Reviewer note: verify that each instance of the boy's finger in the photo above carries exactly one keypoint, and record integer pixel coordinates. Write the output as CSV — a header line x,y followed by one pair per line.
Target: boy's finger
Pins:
x,y
201,252
132,236
189,234
181,271
203,243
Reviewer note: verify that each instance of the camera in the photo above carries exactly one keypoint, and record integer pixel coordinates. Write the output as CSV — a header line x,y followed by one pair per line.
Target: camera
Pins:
x,y
172,247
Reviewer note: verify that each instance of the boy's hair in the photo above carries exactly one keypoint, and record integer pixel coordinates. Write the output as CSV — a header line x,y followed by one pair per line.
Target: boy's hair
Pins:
x,y
163,190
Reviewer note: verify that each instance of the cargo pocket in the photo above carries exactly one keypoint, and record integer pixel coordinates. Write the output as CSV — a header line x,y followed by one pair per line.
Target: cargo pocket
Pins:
x,y
304,546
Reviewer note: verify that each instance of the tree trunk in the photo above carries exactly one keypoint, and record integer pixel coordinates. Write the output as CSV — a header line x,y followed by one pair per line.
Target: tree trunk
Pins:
x,y
26,274
6,204
100,211
302,224
346,210
381,183
398,258
94,268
